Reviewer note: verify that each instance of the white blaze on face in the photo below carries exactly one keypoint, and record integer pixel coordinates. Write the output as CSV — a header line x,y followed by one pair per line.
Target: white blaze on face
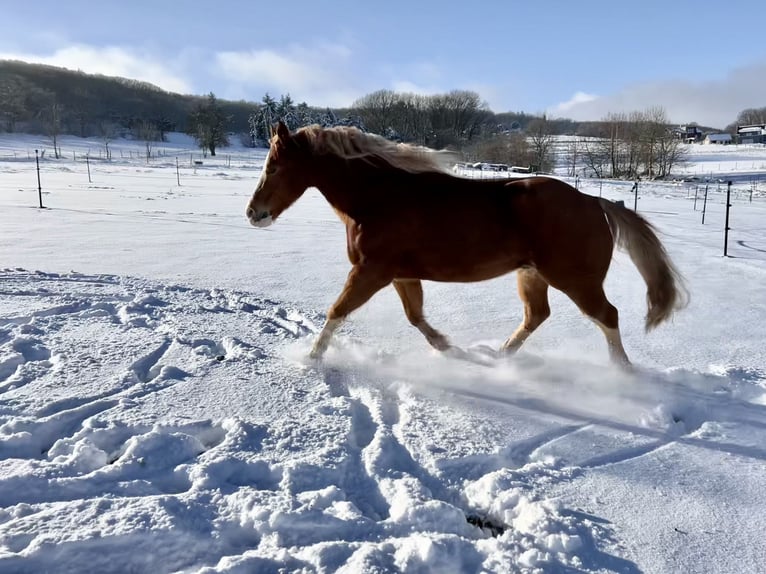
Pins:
x,y
263,173
261,218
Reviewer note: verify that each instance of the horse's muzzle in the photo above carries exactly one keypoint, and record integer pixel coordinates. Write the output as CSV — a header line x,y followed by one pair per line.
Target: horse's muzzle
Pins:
x,y
259,218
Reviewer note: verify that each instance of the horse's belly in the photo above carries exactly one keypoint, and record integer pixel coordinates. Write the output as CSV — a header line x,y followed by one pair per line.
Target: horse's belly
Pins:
x,y
461,271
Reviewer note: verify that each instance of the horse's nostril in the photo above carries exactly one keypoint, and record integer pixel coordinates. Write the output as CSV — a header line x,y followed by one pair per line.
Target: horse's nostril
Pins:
x,y
250,212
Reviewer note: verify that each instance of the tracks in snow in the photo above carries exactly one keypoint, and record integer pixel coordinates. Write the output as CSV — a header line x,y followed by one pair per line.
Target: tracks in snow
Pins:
x,y
106,385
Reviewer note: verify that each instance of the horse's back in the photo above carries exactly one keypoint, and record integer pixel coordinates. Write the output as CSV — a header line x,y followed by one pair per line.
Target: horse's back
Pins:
x,y
566,228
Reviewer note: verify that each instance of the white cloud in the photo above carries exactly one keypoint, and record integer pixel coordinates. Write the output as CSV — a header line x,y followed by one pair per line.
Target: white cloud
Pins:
x,y
709,102
578,98
408,87
109,61
321,75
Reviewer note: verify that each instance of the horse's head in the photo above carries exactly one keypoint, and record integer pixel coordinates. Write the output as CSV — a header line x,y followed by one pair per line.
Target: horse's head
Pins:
x,y
281,182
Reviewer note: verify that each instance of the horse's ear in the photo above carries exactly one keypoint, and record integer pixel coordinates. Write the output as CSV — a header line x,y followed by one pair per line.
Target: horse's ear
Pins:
x,y
283,133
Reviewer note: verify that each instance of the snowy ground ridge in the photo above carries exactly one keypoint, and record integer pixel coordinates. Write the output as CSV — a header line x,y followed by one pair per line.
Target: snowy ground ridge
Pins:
x,y
83,471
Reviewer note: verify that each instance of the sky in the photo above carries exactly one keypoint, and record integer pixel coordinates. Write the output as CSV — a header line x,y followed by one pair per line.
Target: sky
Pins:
x,y
699,60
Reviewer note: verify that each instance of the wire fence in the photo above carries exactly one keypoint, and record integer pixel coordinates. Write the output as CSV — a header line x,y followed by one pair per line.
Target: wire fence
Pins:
x,y
171,167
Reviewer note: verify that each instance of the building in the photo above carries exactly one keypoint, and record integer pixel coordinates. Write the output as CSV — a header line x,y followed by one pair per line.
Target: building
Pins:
x,y
752,134
720,139
689,134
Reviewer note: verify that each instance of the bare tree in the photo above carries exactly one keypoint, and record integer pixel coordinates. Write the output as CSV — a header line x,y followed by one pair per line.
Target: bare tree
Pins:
x,y
541,141
52,121
106,131
752,116
572,157
377,110
510,149
639,144
596,156
148,133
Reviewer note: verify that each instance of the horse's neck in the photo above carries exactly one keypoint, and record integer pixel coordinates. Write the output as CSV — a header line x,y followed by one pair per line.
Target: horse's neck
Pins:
x,y
349,187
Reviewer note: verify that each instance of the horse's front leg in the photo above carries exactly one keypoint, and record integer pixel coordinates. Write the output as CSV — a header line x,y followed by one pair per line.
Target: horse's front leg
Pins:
x,y
362,283
411,293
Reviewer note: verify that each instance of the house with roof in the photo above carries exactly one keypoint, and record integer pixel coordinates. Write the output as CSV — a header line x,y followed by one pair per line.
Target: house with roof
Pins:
x,y
755,133
719,139
689,133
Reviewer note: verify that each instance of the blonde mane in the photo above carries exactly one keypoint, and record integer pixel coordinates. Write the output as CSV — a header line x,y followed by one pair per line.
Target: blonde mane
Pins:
x,y
352,143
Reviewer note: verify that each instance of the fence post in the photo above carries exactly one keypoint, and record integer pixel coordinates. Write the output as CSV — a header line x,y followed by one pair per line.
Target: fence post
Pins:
x,y
39,185
726,226
87,162
704,206
696,188
635,199
178,173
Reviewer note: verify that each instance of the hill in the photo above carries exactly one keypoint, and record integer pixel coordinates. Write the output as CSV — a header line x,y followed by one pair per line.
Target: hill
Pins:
x,y
33,96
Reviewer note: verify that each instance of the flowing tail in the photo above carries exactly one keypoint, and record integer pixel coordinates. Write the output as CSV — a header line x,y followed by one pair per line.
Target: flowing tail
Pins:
x,y
665,286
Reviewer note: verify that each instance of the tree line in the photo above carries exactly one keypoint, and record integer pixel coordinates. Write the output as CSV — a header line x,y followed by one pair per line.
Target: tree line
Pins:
x,y
45,99
629,146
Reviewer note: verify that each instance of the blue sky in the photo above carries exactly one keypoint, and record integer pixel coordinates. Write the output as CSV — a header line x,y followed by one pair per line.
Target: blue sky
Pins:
x,y
578,58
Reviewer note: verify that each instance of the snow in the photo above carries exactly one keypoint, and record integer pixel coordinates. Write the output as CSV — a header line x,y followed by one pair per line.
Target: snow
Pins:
x,y
158,412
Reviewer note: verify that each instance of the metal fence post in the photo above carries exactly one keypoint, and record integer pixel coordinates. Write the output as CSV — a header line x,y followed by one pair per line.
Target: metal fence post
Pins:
x,y
704,206
39,185
726,225
635,199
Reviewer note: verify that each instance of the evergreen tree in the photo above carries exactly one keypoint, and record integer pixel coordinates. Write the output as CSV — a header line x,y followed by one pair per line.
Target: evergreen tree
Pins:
x,y
288,113
263,119
208,125
306,115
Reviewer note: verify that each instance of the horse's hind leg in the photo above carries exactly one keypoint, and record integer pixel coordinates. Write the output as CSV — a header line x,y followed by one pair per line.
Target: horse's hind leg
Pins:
x,y
411,293
592,301
533,291
362,283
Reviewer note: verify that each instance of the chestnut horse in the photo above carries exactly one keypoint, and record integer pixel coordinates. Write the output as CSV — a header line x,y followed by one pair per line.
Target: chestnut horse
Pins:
x,y
408,219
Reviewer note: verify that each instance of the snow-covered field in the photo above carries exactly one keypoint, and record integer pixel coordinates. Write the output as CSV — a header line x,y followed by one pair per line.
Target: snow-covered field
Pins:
x,y
157,412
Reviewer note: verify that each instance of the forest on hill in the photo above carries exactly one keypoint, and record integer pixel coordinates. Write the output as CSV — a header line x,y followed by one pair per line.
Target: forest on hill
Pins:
x,y
36,98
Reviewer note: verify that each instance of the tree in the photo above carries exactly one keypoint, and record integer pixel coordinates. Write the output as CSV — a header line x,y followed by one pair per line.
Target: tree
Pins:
x,y
596,155
454,117
377,110
752,116
541,142
147,132
264,118
634,145
207,123
288,113
163,125
106,131
510,149
52,120
12,102
572,156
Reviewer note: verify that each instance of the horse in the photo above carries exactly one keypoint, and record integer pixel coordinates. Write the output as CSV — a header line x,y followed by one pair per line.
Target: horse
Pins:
x,y
409,219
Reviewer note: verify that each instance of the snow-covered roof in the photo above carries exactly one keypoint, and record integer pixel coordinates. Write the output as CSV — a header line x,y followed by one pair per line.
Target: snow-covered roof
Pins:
x,y
719,137
755,129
